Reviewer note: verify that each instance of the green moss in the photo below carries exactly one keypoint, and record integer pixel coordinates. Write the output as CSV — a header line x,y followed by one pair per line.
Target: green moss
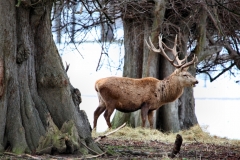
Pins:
x,y
64,140
19,150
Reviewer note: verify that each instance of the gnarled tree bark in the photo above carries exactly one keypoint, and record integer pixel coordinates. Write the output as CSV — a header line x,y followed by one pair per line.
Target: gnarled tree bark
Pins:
x,y
36,92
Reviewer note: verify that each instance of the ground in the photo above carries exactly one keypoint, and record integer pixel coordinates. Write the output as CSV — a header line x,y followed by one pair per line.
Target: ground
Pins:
x,y
159,150
128,149
129,143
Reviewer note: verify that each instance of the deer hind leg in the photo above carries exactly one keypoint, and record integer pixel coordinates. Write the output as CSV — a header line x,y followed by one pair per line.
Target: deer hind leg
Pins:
x,y
107,115
97,113
150,118
144,112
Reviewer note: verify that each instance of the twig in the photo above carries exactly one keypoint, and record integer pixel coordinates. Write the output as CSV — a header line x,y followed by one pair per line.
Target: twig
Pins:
x,y
223,71
102,9
32,157
89,148
48,156
99,61
107,134
67,66
11,154
95,156
195,140
21,155
82,157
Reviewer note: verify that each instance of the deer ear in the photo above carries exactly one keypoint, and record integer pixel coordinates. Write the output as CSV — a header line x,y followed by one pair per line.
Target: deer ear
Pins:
x,y
178,70
184,69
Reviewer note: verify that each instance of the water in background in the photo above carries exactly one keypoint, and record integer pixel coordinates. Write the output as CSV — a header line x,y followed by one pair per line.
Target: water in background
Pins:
x,y
219,116
217,106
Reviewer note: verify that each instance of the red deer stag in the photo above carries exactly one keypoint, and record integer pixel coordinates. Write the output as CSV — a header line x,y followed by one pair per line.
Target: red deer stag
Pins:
x,y
148,94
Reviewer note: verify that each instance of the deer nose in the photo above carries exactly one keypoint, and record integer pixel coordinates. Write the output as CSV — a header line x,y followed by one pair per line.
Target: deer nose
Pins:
x,y
196,82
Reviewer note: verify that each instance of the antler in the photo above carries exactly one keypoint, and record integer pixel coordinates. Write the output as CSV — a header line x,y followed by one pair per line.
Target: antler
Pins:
x,y
181,63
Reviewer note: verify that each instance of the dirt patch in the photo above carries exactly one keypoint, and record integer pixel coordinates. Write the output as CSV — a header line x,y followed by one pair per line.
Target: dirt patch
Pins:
x,y
132,149
156,149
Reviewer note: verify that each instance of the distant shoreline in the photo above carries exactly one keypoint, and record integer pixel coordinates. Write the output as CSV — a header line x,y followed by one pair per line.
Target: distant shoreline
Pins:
x,y
197,98
216,98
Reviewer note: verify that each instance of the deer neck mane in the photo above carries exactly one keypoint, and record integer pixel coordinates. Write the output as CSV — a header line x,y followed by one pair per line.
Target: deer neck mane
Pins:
x,y
169,89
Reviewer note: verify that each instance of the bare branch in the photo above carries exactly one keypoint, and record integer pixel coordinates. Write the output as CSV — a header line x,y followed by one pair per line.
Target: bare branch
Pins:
x,y
222,72
67,66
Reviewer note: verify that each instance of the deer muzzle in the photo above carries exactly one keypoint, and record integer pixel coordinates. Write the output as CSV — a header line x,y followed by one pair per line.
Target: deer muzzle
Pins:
x,y
194,83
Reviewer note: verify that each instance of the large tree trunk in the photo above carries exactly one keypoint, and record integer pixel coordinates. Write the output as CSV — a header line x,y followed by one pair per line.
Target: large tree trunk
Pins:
x,y
186,103
133,43
186,108
167,116
150,59
179,114
37,97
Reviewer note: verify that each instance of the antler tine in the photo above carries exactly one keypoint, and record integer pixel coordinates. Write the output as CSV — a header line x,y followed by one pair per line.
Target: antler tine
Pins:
x,y
191,62
173,50
160,42
151,46
181,62
175,54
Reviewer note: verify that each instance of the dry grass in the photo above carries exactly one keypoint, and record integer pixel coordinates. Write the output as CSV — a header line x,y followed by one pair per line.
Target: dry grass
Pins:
x,y
194,134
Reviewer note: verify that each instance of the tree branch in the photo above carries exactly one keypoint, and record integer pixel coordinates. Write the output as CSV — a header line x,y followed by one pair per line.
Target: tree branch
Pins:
x,y
227,8
223,71
104,12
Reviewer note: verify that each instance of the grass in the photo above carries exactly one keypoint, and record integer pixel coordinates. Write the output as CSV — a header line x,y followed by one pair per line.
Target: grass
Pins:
x,y
194,134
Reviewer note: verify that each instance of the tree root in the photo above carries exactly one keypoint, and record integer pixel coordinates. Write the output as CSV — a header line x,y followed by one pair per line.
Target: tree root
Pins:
x,y
65,140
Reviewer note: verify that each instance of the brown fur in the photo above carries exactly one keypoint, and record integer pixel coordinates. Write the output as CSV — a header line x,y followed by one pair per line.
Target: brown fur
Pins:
x,y
148,94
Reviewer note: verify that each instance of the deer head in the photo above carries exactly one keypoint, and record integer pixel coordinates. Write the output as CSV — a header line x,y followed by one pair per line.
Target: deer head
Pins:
x,y
184,77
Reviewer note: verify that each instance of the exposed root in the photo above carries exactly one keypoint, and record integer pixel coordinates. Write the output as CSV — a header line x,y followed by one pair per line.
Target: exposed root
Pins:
x,y
65,140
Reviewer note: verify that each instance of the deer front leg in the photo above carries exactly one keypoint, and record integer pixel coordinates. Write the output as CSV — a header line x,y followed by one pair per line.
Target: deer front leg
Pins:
x,y
144,112
150,118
